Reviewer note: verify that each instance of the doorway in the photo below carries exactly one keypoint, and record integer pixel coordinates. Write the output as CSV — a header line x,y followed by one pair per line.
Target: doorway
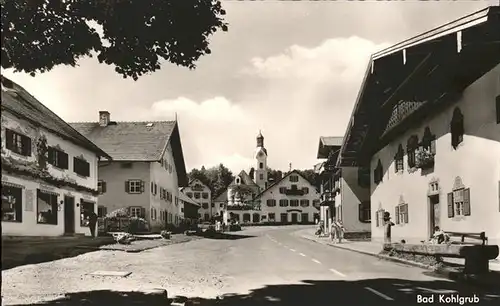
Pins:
x,y
69,215
434,213
294,218
304,218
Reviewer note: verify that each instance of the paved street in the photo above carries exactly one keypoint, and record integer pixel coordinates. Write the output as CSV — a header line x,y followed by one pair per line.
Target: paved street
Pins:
x,y
271,267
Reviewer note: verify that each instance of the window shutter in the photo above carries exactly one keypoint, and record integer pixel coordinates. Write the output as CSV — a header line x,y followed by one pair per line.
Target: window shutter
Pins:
x,y
127,187
9,137
377,219
433,147
142,186
104,211
63,160
406,215
467,202
129,210
396,214
26,141
451,211
50,155
103,186
143,212
152,188
360,212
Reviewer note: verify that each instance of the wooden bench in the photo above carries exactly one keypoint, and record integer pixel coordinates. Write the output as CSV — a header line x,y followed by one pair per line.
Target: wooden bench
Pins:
x,y
477,256
479,237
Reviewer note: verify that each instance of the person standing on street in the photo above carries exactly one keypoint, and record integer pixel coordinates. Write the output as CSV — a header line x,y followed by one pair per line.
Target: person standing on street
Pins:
x,y
92,222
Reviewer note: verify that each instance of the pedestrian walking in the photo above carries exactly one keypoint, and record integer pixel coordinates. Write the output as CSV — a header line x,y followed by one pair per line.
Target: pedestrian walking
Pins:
x,y
92,222
387,227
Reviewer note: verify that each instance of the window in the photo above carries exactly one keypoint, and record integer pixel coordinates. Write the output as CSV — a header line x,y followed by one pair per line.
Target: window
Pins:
x,y
284,217
459,202
196,195
134,186
57,158
221,205
305,190
294,203
154,189
207,217
204,195
261,176
246,217
457,128
85,209
153,213
315,203
137,212
102,211
364,177
429,141
271,217
271,202
283,203
18,143
379,215
498,108
81,167
401,213
101,186
212,205
294,178
46,205
378,173
282,189
189,194
364,211
261,165
237,180
304,203
411,150
12,203
399,159
205,205
126,165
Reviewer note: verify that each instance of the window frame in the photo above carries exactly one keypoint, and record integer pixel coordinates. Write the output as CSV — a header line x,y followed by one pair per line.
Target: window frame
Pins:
x,y
135,186
80,162
54,207
18,143
17,205
57,158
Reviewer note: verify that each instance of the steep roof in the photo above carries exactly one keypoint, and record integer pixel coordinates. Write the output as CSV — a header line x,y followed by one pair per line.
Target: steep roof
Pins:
x,y
246,179
19,102
137,141
221,197
185,198
328,145
280,180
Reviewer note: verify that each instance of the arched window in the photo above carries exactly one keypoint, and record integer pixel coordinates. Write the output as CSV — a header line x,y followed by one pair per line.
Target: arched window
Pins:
x,y
378,173
428,141
457,128
399,159
411,148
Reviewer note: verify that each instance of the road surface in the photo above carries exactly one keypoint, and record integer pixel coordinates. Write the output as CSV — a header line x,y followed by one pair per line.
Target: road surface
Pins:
x,y
267,266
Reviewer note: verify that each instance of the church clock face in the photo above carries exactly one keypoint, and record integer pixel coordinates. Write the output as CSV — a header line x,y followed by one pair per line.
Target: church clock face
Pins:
x,y
260,154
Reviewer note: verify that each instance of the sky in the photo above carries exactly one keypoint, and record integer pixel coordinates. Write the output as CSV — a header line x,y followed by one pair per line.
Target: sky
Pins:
x,y
289,69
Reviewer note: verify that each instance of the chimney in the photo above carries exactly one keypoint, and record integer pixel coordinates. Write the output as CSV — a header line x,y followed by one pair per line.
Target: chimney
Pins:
x,y
104,118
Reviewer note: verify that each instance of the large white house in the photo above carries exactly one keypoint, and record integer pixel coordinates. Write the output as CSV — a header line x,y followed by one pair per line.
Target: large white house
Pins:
x,y
427,124
201,194
147,168
290,199
49,170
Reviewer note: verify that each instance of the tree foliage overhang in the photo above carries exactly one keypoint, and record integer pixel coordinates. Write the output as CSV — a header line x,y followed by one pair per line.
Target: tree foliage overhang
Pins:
x,y
134,36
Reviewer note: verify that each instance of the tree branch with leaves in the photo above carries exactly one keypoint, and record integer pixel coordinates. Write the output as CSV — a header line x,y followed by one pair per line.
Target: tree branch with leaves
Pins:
x,y
134,36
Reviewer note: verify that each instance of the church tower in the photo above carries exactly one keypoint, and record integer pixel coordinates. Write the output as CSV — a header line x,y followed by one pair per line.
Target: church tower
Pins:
x,y
260,175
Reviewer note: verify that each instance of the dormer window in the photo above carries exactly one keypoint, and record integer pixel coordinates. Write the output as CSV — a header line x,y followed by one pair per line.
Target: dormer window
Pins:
x,y
238,180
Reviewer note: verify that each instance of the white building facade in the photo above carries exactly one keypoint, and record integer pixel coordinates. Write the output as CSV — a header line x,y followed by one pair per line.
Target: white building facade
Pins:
x,y
201,194
436,160
49,170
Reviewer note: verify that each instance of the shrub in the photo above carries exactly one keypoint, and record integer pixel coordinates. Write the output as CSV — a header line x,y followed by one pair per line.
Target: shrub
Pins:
x,y
137,225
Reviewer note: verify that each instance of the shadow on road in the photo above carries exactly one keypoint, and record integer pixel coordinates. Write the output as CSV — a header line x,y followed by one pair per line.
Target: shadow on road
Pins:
x,y
310,293
225,236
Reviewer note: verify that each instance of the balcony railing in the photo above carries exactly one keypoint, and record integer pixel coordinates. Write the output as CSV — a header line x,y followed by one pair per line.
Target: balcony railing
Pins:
x,y
292,191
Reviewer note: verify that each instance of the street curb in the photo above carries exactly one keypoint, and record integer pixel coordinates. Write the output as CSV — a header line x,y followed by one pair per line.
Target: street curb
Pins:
x,y
452,275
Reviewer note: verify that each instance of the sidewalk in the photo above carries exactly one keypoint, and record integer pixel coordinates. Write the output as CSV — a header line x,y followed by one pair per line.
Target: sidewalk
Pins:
x,y
374,249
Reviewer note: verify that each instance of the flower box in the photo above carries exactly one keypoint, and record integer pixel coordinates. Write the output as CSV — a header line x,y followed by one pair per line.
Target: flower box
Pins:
x,y
424,159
